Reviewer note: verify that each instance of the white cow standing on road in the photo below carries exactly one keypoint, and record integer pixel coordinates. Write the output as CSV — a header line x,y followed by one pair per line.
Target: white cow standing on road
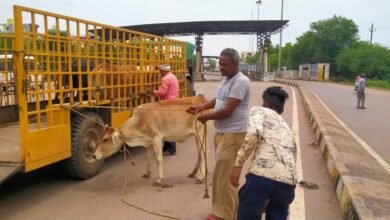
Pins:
x,y
153,123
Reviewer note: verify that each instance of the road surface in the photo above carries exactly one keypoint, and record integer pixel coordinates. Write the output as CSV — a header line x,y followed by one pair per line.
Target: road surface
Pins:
x,y
371,124
49,194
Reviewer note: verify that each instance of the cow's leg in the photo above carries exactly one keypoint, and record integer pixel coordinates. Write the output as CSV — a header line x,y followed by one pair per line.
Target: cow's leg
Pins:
x,y
157,145
149,155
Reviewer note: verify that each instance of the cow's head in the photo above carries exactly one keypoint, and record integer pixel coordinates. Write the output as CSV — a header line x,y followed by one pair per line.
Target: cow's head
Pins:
x,y
111,143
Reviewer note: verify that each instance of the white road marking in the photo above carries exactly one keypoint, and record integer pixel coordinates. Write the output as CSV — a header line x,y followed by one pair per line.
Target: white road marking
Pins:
x,y
297,208
358,139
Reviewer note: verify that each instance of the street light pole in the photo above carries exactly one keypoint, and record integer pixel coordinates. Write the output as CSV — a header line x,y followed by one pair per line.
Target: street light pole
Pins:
x,y
258,2
280,42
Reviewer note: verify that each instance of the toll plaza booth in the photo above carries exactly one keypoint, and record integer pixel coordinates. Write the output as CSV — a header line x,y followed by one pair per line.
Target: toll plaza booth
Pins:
x,y
314,71
263,29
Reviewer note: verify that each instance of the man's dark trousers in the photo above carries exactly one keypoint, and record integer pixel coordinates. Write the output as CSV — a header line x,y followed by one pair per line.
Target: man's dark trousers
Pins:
x,y
256,191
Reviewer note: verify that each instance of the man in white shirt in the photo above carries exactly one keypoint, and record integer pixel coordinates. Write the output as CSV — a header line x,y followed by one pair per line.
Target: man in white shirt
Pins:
x,y
230,120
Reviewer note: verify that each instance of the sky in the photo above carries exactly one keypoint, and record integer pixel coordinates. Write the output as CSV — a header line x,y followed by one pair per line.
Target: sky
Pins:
x,y
300,14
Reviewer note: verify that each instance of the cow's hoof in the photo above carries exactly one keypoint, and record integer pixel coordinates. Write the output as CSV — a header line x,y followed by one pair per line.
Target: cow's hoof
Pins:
x,y
191,175
199,181
156,184
145,175
162,185
166,185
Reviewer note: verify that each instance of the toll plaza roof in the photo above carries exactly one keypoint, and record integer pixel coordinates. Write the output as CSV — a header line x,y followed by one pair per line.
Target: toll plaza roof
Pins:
x,y
210,27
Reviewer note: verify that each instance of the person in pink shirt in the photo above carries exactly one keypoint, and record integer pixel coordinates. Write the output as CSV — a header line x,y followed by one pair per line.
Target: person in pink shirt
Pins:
x,y
169,89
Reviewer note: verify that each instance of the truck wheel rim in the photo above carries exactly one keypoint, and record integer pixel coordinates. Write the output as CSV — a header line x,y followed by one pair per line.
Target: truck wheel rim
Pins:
x,y
89,145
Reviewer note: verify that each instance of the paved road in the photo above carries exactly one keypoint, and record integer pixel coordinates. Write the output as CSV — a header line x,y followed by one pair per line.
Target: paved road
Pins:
x,y
371,124
49,194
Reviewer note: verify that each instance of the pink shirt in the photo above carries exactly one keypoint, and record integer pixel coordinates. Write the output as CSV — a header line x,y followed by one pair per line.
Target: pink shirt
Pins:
x,y
357,78
169,88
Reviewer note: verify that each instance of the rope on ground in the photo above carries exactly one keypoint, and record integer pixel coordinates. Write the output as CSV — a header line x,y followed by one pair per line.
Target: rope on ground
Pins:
x,y
125,152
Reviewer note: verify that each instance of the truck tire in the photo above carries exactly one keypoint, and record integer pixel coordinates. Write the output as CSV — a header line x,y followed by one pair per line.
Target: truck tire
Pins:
x,y
85,135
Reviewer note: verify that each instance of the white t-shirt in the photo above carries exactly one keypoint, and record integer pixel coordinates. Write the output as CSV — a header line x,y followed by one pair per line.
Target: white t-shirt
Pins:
x,y
237,87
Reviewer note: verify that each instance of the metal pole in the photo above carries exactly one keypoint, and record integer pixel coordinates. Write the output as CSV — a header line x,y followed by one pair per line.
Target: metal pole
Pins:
x,y
371,30
371,33
258,2
20,76
280,42
251,38
260,63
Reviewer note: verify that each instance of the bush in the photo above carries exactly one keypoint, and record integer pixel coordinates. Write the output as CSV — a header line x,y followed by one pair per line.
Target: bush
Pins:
x,y
385,84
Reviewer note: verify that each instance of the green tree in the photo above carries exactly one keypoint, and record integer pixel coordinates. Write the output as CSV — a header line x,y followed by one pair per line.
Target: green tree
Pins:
x,y
273,59
253,59
273,56
304,49
325,39
361,57
212,63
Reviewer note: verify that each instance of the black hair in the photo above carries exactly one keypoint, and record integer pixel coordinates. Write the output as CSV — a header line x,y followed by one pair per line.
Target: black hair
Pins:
x,y
275,98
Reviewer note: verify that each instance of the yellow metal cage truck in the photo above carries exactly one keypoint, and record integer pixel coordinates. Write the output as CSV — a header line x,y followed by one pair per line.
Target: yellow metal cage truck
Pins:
x,y
62,77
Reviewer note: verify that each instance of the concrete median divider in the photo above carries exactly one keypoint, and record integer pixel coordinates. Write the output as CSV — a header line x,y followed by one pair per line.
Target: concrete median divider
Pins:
x,y
362,184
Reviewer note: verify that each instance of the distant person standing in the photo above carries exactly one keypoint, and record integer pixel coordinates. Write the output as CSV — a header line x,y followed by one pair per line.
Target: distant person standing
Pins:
x,y
361,96
357,82
169,89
